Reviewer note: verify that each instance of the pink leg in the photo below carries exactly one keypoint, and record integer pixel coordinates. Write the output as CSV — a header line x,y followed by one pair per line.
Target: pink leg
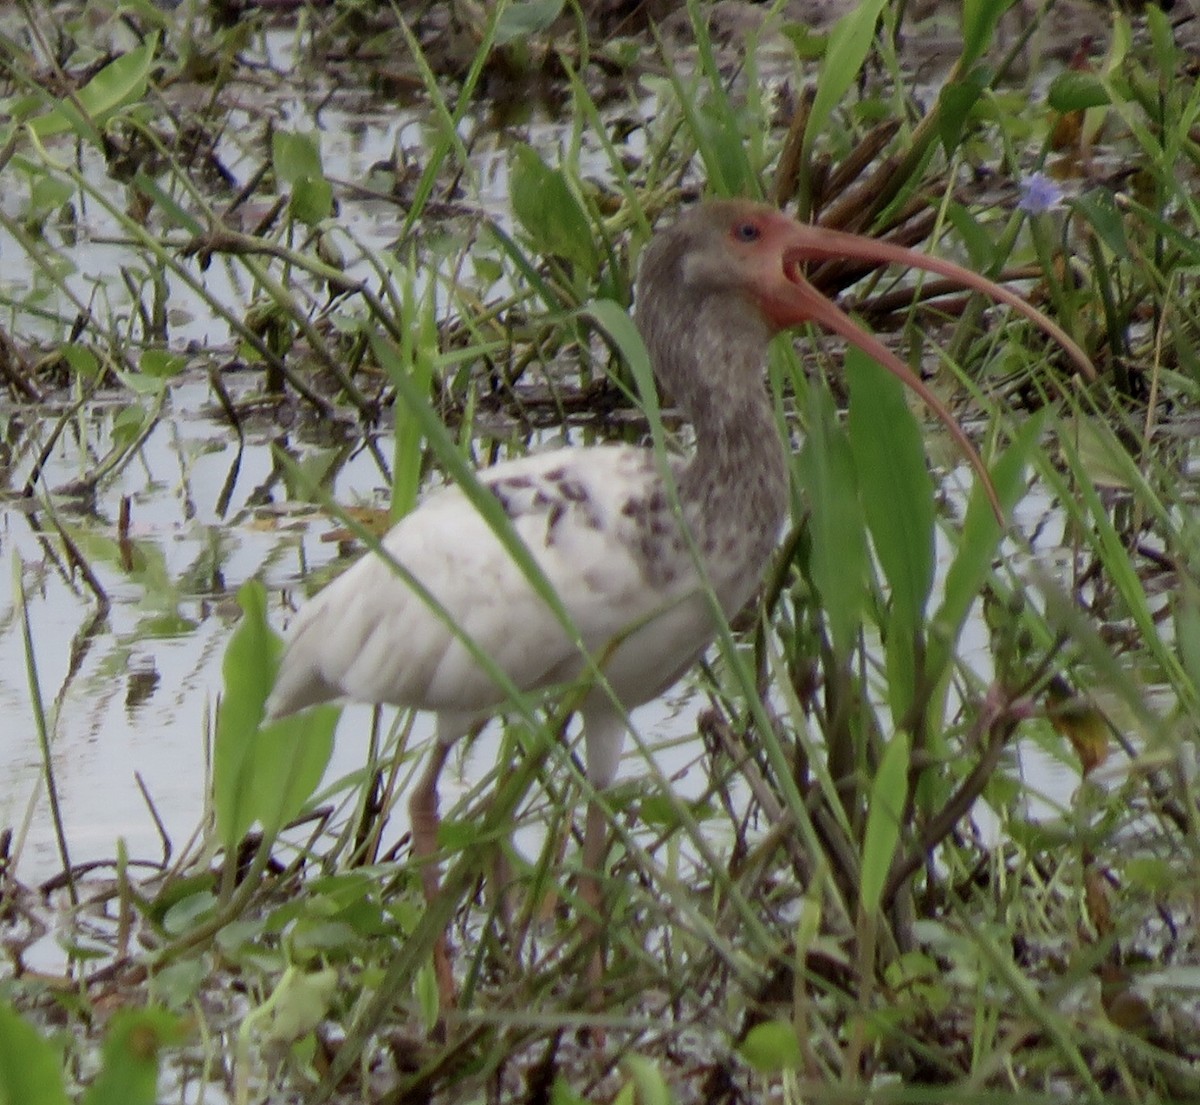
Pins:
x,y
604,734
423,813
595,845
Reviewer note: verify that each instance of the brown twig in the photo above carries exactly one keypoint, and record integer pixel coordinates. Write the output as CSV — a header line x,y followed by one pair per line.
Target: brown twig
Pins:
x,y
997,721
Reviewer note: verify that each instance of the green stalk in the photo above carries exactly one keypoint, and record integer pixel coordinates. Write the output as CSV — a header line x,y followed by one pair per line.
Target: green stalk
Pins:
x,y
37,704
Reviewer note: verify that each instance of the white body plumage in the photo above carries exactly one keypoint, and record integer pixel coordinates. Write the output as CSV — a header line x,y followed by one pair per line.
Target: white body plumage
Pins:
x,y
602,531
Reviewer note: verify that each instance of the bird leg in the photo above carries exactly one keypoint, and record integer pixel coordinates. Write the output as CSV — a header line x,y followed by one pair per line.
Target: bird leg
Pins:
x,y
423,815
604,733
595,845
591,895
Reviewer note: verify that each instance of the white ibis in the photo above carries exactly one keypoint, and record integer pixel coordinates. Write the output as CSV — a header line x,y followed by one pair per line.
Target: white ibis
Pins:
x,y
602,524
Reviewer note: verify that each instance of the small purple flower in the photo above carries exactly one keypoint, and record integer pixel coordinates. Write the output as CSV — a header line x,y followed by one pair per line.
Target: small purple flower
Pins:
x,y
1039,194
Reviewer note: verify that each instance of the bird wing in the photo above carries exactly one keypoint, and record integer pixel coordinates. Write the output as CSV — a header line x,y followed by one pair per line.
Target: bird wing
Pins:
x,y
598,524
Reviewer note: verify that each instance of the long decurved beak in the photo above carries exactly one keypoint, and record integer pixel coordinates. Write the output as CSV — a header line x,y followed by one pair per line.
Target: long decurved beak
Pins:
x,y
803,303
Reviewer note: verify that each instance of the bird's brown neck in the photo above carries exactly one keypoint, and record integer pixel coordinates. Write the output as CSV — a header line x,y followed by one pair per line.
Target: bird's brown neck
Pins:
x,y
734,491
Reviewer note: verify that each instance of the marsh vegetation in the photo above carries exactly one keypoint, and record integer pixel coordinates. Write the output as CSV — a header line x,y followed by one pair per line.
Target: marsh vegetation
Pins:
x,y
923,825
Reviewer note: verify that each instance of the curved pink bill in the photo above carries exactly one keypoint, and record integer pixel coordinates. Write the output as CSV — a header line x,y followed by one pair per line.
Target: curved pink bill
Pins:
x,y
805,304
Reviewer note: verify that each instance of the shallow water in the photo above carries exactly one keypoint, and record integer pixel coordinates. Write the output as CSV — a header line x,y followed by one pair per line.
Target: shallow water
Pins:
x,y
132,691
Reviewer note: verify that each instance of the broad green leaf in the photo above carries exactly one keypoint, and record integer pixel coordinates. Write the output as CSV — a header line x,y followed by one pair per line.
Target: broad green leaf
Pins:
x,y
262,774
297,161
249,667
839,551
83,361
311,200
549,212
290,758
1120,42
160,364
311,939
849,43
297,1004
119,83
915,980
185,914
29,1067
904,664
134,418
897,491
21,108
149,13
129,421
889,791
527,17
1105,459
179,984
772,1047
897,495
561,1093
808,44
1073,90
1153,874
295,156
426,989
722,148
458,834
129,1071
979,21
48,193
956,101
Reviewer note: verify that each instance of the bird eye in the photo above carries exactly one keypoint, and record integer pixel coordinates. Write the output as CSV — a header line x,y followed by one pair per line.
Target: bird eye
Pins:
x,y
747,232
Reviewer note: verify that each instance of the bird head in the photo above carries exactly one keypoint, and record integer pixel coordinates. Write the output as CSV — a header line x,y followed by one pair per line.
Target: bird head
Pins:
x,y
757,254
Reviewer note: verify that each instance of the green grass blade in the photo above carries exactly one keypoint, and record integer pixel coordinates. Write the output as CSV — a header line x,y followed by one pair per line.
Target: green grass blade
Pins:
x,y
977,543
897,494
896,487
119,83
416,359
715,125
1187,632
889,791
42,725
979,19
849,43
839,551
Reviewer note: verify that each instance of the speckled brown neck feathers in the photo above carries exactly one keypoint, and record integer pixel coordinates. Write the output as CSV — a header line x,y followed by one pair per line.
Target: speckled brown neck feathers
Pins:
x,y
708,343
